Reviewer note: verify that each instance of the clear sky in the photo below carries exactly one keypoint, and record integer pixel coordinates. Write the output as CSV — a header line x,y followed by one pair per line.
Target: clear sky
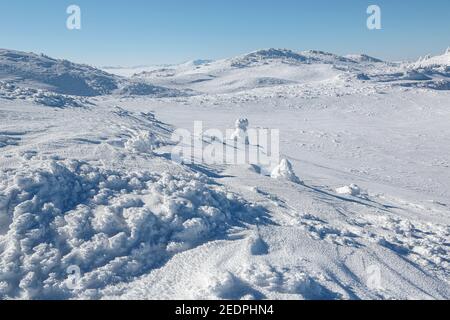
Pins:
x,y
137,32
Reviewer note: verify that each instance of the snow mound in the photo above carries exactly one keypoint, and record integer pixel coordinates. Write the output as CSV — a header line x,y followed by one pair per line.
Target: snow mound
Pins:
x,y
285,171
351,190
240,134
112,225
287,281
142,142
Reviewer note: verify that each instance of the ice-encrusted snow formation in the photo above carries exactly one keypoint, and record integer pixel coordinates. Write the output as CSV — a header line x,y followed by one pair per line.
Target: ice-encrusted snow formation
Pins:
x,y
285,171
351,190
433,61
142,142
112,225
240,134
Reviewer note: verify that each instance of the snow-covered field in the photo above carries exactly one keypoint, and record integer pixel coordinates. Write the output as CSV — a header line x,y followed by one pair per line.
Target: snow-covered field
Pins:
x,y
93,205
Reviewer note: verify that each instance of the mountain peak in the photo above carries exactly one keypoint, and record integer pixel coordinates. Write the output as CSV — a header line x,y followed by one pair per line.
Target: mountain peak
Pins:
x,y
265,55
362,58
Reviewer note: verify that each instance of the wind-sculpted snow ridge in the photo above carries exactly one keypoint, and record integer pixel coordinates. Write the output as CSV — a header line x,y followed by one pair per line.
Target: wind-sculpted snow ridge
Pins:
x,y
11,92
112,225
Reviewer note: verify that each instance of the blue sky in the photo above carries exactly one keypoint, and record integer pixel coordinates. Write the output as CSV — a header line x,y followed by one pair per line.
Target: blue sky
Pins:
x,y
136,32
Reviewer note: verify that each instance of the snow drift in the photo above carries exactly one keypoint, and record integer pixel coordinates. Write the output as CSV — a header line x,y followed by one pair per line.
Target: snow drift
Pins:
x,y
112,225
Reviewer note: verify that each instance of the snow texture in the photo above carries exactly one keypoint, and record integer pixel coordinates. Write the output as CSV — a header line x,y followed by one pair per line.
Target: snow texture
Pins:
x,y
113,225
93,207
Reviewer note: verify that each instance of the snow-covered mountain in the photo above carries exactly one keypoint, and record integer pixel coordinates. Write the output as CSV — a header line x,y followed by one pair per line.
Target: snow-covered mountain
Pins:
x,y
282,67
296,58
259,69
29,70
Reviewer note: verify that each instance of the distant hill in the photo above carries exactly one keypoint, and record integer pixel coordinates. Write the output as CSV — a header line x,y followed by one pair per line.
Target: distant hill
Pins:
x,y
36,71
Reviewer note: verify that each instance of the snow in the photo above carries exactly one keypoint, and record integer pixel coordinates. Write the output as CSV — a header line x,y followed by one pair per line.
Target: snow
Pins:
x,y
284,171
113,225
363,58
87,182
11,92
34,71
240,133
352,190
435,61
60,76
142,142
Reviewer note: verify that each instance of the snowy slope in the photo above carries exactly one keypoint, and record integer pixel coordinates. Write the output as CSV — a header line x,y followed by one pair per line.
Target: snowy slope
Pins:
x,y
281,67
29,70
259,69
93,187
